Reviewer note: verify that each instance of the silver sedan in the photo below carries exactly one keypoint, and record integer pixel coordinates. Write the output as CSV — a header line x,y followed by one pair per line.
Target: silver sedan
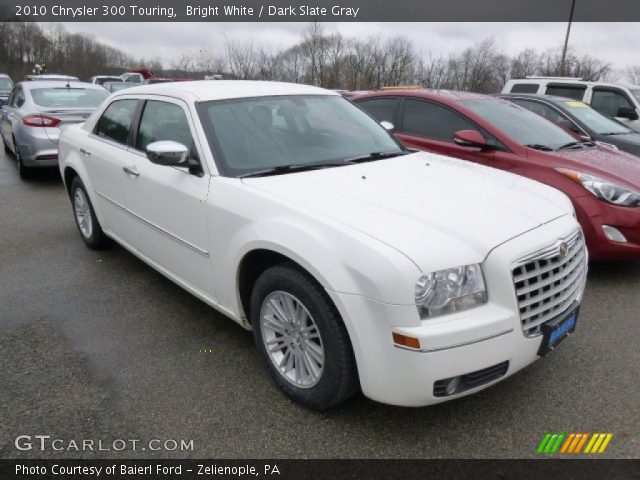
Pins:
x,y
34,114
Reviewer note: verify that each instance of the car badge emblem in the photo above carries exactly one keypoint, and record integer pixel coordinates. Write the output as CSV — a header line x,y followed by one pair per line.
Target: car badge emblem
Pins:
x,y
564,249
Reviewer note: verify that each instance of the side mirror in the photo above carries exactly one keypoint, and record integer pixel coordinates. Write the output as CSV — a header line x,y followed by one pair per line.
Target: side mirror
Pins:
x,y
169,153
627,112
470,138
387,125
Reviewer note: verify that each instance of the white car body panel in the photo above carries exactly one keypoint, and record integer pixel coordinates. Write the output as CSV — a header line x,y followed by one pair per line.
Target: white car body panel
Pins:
x,y
365,232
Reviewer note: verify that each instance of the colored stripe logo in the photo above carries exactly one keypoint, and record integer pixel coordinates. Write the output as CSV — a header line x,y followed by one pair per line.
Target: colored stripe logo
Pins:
x,y
574,443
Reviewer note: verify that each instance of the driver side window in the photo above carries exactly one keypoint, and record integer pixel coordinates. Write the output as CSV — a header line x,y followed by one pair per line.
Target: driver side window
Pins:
x,y
164,121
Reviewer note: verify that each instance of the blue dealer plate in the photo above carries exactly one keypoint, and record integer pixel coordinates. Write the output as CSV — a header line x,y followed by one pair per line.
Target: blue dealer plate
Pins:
x,y
556,330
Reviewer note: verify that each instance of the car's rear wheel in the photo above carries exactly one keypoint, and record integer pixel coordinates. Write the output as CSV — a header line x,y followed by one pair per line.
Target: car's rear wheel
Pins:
x,y
24,171
85,216
302,338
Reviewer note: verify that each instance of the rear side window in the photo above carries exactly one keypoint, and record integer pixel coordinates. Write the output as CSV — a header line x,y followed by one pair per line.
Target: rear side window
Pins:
x,y
576,92
524,88
115,122
164,121
608,102
426,119
382,109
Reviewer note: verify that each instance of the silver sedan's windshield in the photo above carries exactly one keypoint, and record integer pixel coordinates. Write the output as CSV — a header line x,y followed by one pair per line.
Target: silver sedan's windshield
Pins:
x,y
257,134
594,120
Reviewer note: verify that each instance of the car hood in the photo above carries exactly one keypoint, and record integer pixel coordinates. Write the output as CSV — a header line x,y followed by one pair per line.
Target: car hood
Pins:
x,y
617,165
628,141
438,211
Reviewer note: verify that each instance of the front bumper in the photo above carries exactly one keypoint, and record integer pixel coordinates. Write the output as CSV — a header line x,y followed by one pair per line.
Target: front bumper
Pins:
x,y
450,345
593,214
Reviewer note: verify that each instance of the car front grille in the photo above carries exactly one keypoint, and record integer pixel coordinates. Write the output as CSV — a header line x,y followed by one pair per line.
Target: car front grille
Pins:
x,y
548,281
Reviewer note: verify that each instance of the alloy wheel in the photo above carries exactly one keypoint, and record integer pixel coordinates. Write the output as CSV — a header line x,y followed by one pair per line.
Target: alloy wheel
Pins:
x,y
292,339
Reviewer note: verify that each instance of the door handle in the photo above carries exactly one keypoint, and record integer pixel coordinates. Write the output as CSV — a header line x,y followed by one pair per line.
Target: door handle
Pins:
x,y
131,171
86,153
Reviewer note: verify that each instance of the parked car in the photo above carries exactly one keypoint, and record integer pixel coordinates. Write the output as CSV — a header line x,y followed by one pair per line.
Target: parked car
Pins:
x,y
51,78
603,184
34,115
117,86
580,119
615,100
355,261
6,84
101,79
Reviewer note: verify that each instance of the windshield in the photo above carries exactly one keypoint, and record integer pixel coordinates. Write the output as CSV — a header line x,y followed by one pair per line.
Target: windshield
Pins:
x,y
255,134
520,124
636,93
6,83
594,120
68,97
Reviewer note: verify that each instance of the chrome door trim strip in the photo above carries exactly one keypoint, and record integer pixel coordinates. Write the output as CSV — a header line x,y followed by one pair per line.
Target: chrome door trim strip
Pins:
x,y
170,235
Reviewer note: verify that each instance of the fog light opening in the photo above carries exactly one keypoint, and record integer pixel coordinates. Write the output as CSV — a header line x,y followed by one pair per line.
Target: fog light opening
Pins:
x,y
452,385
614,234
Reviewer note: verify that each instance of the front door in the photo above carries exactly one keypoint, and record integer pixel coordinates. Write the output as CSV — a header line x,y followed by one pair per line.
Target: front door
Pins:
x,y
169,203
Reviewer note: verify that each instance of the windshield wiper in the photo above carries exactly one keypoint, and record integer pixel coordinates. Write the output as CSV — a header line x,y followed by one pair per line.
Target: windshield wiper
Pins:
x,y
538,146
280,169
572,145
609,134
373,156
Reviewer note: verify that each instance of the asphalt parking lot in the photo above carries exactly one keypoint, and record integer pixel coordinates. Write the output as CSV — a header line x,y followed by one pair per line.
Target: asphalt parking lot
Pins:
x,y
98,345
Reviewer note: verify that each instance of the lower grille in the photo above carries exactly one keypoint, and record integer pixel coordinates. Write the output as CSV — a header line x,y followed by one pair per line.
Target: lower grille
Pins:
x,y
471,380
547,282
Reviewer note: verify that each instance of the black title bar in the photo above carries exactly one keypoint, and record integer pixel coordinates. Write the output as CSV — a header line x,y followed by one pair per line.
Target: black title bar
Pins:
x,y
575,469
318,10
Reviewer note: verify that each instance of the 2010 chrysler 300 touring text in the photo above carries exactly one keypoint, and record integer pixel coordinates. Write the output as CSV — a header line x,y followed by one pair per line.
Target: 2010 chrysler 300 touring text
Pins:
x,y
357,263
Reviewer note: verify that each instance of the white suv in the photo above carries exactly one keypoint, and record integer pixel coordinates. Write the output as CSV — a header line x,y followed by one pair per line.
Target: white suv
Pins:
x,y
357,263
614,100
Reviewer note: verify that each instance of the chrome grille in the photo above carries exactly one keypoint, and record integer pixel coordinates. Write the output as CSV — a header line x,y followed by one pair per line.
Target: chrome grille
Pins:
x,y
548,281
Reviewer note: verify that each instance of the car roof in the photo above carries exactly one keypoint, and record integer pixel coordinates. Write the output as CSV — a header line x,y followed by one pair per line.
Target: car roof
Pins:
x,y
551,98
59,84
561,80
446,96
205,90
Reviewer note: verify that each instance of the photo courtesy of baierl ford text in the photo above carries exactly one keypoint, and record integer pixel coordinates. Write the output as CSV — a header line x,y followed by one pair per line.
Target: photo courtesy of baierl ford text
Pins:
x,y
320,240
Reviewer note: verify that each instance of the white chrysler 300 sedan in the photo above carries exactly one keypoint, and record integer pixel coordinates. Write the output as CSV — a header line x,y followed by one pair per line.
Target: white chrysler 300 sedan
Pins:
x,y
415,277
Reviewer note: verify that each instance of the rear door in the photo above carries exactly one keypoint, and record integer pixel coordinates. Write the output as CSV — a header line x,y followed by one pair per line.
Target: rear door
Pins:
x,y
105,156
11,115
169,203
427,125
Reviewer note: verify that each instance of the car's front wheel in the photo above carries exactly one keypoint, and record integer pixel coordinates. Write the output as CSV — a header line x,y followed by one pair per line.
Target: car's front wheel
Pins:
x,y
85,216
302,338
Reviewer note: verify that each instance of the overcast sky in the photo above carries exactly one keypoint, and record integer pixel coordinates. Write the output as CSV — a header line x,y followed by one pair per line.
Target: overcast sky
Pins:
x,y
613,42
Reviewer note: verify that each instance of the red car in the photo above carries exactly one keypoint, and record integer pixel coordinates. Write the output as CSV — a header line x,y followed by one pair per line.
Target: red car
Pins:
x,y
603,183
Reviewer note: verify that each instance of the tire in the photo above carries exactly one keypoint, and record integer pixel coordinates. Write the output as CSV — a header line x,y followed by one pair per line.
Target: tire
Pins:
x,y
85,217
313,384
25,172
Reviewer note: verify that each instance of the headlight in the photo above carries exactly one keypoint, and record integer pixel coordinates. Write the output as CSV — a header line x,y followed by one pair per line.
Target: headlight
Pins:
x,y
450,290
605,190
